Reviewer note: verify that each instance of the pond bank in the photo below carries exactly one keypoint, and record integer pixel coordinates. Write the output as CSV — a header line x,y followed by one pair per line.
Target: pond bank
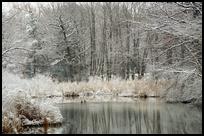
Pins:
x,y
105,98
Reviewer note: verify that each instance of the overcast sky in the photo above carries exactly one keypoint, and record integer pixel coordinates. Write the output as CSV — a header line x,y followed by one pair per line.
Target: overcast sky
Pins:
x,y
8,5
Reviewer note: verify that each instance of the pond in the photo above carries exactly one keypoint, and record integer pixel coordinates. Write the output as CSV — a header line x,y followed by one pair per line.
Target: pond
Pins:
x,y
140,116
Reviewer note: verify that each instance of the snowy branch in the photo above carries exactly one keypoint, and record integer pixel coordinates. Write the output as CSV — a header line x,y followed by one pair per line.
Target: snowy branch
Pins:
x,y
15,48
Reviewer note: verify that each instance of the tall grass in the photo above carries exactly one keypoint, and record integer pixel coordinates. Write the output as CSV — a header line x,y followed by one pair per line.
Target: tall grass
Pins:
x,y
116,86
44,86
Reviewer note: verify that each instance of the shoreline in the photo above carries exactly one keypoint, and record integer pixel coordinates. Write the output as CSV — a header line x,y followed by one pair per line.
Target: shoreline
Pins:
x,y
107,98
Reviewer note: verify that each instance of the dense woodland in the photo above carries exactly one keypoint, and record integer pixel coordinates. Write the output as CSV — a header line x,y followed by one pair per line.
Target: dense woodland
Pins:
x,y
72,41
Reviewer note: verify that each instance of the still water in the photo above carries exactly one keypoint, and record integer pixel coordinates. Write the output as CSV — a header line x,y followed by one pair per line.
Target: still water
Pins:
x,y
141,116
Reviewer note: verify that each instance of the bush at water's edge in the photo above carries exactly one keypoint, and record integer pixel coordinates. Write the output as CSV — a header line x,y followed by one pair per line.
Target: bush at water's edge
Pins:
x,y
19,111
187,88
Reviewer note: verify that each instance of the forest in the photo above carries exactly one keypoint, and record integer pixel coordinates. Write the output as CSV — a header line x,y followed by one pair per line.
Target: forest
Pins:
x,y
75,49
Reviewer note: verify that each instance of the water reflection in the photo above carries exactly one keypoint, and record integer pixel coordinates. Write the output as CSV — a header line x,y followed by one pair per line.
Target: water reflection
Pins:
x,y
142,116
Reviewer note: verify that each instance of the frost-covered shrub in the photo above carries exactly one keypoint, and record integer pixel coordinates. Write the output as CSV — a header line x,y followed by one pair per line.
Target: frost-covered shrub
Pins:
x,y
17,107
11,124
40,85
51,112
11,81
19,103
186,88
11,99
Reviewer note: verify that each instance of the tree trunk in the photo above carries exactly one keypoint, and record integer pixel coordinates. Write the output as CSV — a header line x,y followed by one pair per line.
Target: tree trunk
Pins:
x,y
93,43
68,54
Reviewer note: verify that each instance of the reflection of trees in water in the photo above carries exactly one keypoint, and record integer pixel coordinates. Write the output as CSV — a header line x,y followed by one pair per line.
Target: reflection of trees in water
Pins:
x,y
181,119
150,114
126,118
158,130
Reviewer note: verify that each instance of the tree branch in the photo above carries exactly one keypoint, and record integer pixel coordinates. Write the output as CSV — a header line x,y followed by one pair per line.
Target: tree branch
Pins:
x,y
15,48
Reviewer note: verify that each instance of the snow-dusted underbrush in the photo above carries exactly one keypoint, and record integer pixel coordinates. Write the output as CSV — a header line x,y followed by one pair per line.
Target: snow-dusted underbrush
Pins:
x,y
17,108
186,88
40,85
